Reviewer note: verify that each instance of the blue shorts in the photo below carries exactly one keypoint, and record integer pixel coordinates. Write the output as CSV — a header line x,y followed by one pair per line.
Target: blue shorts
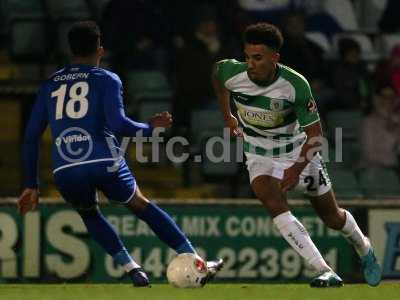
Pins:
x,y
79,184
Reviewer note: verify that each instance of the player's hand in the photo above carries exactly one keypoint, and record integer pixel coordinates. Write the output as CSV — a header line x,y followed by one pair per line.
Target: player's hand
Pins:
x,y
291,178
233,125
163,119
28,200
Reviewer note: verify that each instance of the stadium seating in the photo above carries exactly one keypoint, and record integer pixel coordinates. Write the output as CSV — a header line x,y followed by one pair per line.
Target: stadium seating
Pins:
x,y
320,39
368,51
260,5
28,39
3,29
344,155
215,168
147,84
388,42
296,194
350,153
62,48
76,9
98,7
19,9
344,183
221,163
370,12
10,146
144,87
343,131
23,8
343,12
379,182
148,108
28,28
348,120
204,123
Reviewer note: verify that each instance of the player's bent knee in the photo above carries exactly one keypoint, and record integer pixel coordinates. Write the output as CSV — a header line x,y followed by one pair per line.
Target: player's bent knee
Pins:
x,y
268,191
138,202
333,221
275,206
88,212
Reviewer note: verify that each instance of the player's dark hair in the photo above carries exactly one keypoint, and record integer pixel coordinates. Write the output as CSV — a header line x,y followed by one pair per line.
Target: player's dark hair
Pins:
x,y
264,33
83,38
346,45
382,86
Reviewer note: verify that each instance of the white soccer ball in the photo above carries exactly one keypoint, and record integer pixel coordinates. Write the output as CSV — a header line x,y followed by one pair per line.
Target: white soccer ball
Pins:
x,y
187,270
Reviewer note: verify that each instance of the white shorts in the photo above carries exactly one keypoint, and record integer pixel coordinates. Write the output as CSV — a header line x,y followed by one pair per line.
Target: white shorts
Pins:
x,y
313,181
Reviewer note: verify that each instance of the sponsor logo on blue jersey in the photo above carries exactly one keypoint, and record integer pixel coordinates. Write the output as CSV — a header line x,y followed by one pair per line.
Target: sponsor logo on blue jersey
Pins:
x,y
74,144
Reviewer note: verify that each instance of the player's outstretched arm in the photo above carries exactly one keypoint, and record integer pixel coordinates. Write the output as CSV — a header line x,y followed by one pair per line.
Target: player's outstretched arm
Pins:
x,y
223,96
34,130
119,123
309,149
163,120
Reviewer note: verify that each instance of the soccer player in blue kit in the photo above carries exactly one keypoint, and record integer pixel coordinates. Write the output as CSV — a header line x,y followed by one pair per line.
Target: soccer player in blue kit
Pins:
x,y
83,106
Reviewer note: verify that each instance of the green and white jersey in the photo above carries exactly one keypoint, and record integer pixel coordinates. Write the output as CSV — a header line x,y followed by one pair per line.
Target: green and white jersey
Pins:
x,y
272,116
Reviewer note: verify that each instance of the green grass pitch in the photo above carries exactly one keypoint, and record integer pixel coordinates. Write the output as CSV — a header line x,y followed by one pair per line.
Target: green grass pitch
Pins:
x,y
386,291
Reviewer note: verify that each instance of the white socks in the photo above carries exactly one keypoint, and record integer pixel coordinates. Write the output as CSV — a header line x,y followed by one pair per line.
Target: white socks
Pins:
x,y
130,266
297,236
353,234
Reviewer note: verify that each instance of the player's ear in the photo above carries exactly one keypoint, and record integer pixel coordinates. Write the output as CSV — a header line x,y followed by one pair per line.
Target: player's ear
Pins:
x,y
276,57
100,51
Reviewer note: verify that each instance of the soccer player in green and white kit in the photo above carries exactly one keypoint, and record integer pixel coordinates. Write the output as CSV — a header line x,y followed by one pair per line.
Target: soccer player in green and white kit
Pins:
x,y
282,136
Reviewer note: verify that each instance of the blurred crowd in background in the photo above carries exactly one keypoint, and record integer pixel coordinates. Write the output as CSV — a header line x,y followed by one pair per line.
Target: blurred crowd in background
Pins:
x,y
164,52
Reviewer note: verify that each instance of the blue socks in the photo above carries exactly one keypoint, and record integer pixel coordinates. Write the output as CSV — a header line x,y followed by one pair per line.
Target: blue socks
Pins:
x,y
158,220
122,257
166,229
104,234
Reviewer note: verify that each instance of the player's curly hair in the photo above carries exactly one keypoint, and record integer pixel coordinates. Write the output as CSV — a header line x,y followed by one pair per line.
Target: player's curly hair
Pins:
x,y
264,33
84,38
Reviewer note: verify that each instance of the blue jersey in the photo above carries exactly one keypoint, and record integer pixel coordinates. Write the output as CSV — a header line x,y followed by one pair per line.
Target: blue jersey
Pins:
x,y
83,106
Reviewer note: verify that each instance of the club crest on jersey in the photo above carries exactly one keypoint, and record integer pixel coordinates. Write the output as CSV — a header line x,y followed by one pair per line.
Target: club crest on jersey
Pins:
x,y
240,97
276,104
311,106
